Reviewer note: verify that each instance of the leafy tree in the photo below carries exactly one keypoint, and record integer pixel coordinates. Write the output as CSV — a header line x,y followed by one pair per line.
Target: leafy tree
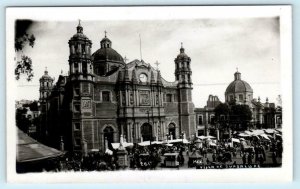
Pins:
x,y
240,115
22,122
22,38
233,115
222,112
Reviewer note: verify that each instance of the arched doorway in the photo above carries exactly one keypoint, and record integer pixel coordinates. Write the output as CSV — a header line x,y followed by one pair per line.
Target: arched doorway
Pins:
x,y
108,134
146,132
172,130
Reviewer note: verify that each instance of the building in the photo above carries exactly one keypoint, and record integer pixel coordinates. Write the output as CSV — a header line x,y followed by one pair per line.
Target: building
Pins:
x,y
104,98
205,117
264,115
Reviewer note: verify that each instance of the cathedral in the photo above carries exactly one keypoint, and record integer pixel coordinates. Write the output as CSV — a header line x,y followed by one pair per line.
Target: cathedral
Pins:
x,y
103,97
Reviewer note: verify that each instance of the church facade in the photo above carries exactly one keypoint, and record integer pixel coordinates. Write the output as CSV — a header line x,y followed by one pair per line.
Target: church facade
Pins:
x,y
103,97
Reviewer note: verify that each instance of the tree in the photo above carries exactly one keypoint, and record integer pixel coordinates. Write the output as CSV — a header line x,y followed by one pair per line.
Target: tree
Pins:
x,y
22,122
233,115
221,114
221,110
240,115
22,38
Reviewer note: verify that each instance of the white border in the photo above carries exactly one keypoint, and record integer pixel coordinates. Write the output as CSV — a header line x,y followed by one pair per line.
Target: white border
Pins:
x,y
282,174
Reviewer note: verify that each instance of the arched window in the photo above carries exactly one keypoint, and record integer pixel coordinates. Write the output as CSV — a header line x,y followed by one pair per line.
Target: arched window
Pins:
x,y
172,130
108,136
168,97
241,97
146,132
200,120
105,96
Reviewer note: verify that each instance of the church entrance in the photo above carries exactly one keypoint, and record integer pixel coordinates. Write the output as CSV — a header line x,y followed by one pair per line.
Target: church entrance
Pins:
x,y
146,132
108,135
172,130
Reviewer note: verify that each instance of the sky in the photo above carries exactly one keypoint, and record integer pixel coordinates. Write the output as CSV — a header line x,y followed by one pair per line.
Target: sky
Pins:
x,y
217,48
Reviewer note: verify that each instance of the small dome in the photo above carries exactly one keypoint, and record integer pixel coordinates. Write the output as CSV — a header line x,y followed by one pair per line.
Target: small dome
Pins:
x,y
79,35
182,54
238,85
46,76
105,40
107,54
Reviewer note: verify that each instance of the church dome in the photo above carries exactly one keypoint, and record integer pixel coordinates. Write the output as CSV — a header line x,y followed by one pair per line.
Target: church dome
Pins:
x,y
46,76
79,35
238,85
106,53
182,54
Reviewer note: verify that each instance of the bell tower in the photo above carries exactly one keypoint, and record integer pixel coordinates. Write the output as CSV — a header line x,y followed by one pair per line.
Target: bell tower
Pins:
x,y
82,77
46,84
183,74
183,70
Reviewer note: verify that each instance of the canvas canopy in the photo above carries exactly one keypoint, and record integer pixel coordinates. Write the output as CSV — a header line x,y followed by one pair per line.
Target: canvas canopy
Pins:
x,y
30,150
184,141
235,140
117,145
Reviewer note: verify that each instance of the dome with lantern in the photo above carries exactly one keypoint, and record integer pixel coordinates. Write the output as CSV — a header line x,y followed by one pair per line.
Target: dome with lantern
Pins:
x,y
238,90
106,52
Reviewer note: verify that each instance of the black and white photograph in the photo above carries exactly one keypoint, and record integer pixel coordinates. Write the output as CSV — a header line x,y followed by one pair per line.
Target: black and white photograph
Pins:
x,y
186,93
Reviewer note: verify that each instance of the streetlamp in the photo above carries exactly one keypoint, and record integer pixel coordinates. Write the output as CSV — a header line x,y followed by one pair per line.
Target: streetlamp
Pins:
x,y
167,136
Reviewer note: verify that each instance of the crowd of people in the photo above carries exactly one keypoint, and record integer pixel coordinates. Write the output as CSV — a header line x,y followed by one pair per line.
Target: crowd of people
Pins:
x,y
249,151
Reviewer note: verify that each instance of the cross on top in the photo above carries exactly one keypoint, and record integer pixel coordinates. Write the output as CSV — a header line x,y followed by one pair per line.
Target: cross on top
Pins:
x,y
105,32
181,45
237,69
125,59
79,22
157,64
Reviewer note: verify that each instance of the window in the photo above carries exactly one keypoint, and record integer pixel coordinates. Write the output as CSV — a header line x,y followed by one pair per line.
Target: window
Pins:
x,y
84,68
77,89
105,96
77,107
131,98
113,67
169,97
231,98
77,142
212,119
83,48
240,97
200,120
77,126
76,67
86,88
157,99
